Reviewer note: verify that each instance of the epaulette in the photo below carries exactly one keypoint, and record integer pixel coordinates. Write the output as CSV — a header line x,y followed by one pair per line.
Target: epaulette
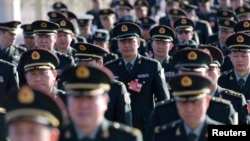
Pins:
x,y
110,61
21,48
163,102
6,62
164,127
224,73
233,93
133,131
204,21
221,100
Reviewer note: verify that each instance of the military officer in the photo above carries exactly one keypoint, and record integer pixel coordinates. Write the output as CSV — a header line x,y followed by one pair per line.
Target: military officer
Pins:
x,y
87,89
142,9
33,115
28,36
242,13
55,15
119,108
238,78
191,94
85,24
145,85
8,35
238,100
122,8
57,6
45,37
242,27
101,38
65,35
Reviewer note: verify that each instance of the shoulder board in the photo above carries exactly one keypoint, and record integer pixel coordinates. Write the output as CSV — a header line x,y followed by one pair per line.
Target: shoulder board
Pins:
x,y
221,100
111,61
126,128
204,21
168,126
22,48
6,62
232,93
163,102
224,73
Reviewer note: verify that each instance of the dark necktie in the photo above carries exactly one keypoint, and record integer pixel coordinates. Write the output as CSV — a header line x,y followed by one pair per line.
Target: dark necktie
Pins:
x,y
191,136
128,67
241,83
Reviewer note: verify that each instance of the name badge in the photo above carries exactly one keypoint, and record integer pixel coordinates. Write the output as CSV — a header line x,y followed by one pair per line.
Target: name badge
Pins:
x,y
135,86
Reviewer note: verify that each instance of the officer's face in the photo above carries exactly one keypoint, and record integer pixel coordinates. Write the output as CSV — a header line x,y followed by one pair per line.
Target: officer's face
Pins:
x,y
7,38
31,131
29,41
184,35
108,22
141,12
63,41
128,48
193,113
161,48
223,35
121,12
214,73
240,61
41,79
87,112
45,41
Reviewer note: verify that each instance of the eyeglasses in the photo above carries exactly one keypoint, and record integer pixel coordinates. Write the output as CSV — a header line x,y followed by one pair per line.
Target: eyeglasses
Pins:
x,y
183,31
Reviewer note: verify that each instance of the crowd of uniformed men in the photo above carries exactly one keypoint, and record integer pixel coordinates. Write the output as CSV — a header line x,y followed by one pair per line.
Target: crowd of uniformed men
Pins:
x,y
112,75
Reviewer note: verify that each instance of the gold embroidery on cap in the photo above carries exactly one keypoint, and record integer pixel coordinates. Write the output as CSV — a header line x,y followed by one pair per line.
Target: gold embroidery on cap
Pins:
x,y
28,27
35,55
124,28
162,30
183,21
82,47
53,14
226,22
43,25
63,23
58,4
82,72
105,11
145,20
242,9
192,55
186,81
240,39
99,35
224,13
26,95
175,12
246,24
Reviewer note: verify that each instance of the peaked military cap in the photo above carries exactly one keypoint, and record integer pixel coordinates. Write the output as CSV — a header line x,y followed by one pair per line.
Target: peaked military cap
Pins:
x,y
27,30
238,42
189,7
216,53
126,30
162,32
65,26
42,26
55,15
171,1
101,35
242,26
242,11
106,12
184,24
177,13
59,5
38,59
225,14
70,15
32,105
85,20
186,44
147,22
191,58
10,26
87,51
141,4
84,80
226,25
127,18
190,86
203,1
123,4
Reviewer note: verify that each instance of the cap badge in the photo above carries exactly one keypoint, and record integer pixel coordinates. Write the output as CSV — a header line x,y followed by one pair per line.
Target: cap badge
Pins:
x,y
192,55
82,47
35,55
145,20
224,13
162,30
26,95
175,12
240,39
58,4
242,9
99,35
63,23
124,28
82,72
28,27
121,2
105,11
81,21
43,25
183,21
246,24
186,81
226,22
53,14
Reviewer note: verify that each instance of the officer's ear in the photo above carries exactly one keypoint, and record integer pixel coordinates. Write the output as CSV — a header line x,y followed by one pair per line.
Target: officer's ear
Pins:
x,y
54,72
138,42
54,134
208,99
